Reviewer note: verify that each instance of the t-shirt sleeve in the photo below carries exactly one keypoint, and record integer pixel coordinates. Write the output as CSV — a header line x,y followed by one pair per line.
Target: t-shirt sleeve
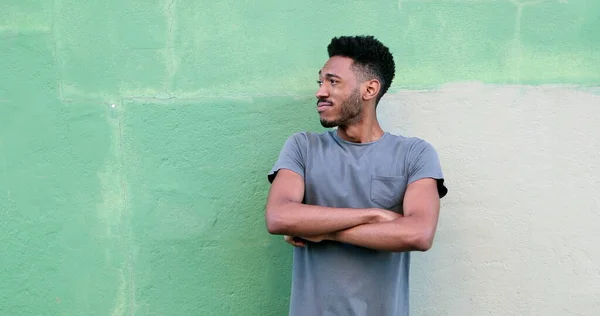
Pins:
x,y
424,162
291,156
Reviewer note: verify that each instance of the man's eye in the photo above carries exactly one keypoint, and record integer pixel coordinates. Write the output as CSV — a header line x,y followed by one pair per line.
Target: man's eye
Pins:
x,y
319,82
333,81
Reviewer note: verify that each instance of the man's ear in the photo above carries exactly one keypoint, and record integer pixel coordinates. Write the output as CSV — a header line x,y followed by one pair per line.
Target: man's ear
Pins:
x,y
371,89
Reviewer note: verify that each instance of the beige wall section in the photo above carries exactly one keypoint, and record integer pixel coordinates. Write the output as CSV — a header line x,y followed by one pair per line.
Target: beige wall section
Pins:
x,y
519,232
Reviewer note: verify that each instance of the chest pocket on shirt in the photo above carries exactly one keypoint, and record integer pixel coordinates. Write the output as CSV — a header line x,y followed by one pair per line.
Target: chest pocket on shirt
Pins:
x,y
387,191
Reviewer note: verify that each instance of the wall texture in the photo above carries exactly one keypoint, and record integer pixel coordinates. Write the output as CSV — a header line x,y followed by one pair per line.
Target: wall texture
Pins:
x,y
135,137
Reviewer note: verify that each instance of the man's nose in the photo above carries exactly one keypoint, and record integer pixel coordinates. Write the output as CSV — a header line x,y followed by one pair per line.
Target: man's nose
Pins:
x,y
322,92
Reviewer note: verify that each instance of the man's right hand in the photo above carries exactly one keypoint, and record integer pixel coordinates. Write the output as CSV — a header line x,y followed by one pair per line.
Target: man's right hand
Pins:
x,y
385,215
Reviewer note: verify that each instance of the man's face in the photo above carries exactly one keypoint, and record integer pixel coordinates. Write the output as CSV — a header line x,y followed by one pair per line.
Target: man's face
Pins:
x,y
339,101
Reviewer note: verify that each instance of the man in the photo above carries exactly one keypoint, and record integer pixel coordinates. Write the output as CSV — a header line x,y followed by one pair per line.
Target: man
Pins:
x,y
355,201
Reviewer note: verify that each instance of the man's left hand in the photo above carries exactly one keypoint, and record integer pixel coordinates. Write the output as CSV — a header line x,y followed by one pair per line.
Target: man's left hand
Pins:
x,y
318,238
294,241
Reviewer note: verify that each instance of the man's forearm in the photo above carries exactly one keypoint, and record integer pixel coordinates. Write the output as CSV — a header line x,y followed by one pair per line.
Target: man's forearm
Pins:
x,y
297,219
402,234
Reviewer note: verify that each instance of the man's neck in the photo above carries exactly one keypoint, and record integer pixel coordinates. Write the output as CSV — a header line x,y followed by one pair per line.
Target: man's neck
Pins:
x,y
365,131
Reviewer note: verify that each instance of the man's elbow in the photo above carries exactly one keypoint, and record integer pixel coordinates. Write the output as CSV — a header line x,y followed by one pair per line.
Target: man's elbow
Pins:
x,y
423,242
276,225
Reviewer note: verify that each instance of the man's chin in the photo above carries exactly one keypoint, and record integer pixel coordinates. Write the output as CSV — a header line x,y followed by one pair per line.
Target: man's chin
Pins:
x,y
328,124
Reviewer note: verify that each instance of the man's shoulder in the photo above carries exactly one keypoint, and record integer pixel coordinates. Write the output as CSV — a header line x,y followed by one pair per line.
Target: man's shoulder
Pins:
x,y
307,137
312,134
408,142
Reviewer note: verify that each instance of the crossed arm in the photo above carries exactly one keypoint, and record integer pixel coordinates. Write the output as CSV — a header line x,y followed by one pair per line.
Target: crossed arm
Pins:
x,y
371,228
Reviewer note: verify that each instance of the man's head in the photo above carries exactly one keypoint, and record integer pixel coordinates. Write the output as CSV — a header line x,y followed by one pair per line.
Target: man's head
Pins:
x,y
358,73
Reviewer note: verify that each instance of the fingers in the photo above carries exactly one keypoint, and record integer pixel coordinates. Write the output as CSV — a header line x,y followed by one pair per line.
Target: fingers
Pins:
x,y
296,242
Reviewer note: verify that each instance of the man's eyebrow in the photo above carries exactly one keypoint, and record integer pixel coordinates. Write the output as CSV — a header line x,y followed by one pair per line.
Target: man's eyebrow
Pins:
x,y
330,75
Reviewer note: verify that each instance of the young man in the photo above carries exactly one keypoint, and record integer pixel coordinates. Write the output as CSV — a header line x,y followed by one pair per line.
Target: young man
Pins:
x,y
355,201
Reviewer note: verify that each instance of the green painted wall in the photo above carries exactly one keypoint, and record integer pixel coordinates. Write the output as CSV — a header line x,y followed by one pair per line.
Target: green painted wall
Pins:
x,y
135,135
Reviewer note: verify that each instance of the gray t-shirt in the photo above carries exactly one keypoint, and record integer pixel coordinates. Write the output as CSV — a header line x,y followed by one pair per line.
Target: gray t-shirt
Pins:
x,y
332,278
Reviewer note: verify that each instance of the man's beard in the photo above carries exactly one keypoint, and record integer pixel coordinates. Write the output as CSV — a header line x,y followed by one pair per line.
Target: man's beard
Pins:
x,y
351,111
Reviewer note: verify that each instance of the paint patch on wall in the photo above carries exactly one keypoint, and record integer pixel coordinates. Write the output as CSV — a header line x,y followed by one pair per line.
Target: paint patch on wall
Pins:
x,y
232,48
521,164
25,17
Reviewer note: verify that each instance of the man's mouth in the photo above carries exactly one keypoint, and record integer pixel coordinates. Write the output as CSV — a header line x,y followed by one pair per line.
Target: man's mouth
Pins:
x,y
323,106
324,103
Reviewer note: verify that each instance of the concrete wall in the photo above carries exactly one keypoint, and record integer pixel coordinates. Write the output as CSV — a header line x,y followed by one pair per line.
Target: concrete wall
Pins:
x,y
135,137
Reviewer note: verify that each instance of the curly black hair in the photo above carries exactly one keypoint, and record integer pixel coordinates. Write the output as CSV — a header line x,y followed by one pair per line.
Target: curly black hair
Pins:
x,y
371,58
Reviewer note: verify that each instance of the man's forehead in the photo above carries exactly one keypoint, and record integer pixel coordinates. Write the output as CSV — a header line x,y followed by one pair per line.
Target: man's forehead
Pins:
x,y
337,65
